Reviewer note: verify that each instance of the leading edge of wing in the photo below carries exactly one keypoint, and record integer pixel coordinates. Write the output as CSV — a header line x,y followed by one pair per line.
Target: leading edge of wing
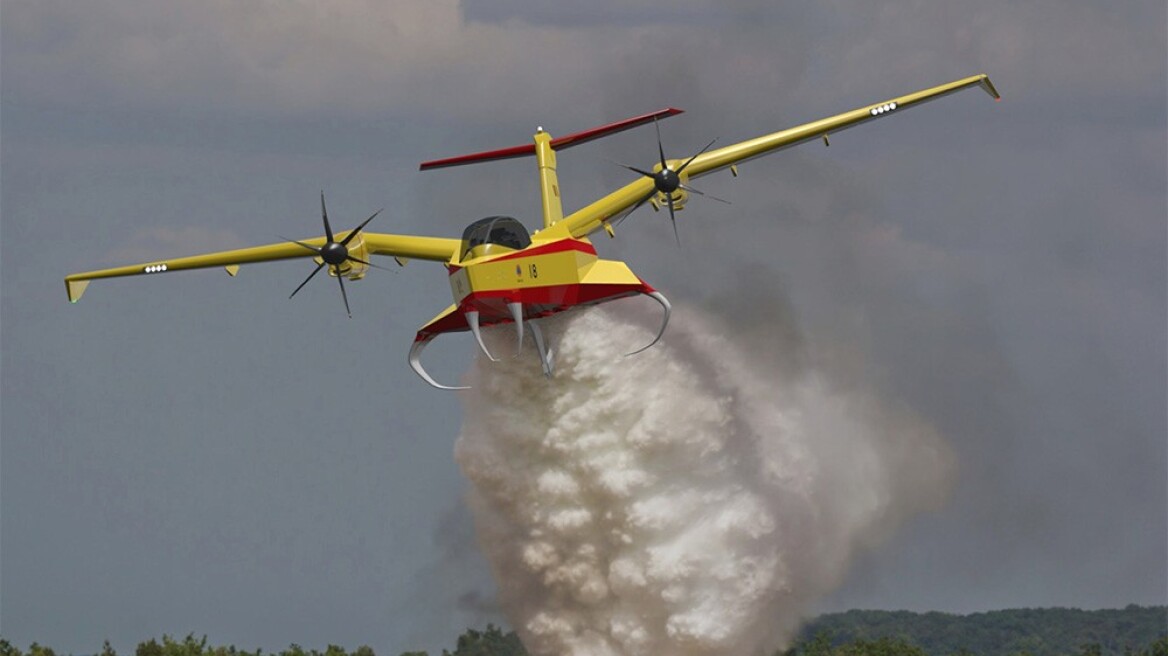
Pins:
x,y
591,217
765,145
403,246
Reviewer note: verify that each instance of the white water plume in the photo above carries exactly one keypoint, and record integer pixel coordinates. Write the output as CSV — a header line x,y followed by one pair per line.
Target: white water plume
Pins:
x,y
683,501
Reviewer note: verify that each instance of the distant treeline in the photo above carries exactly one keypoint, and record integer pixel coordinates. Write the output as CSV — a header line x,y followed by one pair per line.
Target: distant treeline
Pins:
x,y
1030,631
188,646
1132,631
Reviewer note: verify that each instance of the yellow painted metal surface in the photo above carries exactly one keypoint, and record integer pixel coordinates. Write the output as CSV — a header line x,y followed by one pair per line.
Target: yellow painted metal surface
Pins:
x,y
423,248
408,247
75,288
492,274
490,267
610,272
441,315
591,217
549,182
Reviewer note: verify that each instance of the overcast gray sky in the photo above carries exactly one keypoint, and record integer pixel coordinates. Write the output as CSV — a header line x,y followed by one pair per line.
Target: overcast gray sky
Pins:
x,y
198,453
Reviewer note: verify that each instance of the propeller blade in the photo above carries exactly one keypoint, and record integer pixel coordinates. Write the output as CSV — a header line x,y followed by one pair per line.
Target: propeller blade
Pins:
x,y
314,249
314,272
673,218
634,169
324,215
341,282
702,193
345,241
369,264
695,155
660,148
687,162
666,181
642,201
330,253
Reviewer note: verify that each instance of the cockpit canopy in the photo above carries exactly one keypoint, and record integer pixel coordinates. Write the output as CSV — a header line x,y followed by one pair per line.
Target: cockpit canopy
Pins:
x,y
494,230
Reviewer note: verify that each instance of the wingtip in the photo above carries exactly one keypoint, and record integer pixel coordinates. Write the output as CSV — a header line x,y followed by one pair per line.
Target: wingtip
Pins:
x,y
989,87
75,288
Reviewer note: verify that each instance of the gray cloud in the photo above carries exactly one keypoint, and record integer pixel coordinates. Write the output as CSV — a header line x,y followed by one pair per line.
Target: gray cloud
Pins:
x,y
998,269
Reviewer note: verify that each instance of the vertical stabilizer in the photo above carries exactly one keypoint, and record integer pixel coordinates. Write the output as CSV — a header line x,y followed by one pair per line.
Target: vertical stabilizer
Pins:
x,y
549,183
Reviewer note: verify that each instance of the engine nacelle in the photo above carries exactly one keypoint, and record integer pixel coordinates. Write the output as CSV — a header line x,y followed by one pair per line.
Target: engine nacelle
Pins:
x,y
680,197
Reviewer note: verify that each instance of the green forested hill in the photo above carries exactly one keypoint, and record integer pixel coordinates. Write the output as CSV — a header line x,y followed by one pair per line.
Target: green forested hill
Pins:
x,y
1036,632
1134,631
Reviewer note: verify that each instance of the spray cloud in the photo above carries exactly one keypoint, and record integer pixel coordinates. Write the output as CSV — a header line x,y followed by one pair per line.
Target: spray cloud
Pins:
x,y
687,500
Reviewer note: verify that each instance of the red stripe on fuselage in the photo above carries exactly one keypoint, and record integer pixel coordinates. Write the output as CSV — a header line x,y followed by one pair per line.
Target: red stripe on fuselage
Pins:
x,y
554,247
558,246
537,302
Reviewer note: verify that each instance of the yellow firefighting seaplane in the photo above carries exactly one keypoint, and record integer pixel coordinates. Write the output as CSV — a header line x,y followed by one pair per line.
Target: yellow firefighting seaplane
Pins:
x,y
499,272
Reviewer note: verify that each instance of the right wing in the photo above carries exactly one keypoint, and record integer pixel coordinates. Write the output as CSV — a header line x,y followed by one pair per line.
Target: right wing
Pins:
x,y
404,247
615,205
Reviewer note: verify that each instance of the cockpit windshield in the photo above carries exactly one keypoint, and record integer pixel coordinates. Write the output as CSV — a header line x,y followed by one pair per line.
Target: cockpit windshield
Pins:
x,y
502,230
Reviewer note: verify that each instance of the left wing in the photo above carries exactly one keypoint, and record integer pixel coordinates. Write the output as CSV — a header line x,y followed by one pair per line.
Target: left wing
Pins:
x,y
593,217
401,246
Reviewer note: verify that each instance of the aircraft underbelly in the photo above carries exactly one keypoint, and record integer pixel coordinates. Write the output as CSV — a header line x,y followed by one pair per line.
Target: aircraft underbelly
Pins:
x,y
554,288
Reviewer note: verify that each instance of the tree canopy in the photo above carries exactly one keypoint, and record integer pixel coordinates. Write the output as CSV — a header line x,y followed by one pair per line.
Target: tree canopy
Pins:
x,y
1132,631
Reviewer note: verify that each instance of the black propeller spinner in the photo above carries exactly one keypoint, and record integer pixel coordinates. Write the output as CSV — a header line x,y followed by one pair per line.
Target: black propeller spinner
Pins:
x,y
334,253
666,181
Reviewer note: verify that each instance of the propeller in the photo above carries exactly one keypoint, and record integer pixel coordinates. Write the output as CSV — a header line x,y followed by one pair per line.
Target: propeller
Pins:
x,y
334,253
666,181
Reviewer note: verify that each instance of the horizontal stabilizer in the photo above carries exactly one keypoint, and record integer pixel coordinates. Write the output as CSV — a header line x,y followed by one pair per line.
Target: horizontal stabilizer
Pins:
x,y
559,143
